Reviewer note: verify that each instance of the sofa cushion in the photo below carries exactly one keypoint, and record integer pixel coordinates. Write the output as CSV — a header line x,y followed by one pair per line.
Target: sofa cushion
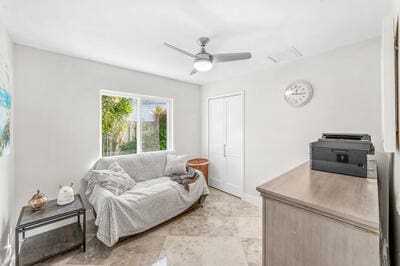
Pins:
x,y
139,167
114,179
176,165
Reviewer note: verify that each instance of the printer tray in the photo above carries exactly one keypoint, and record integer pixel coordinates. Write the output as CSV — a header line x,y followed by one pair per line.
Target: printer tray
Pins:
x,y
340,168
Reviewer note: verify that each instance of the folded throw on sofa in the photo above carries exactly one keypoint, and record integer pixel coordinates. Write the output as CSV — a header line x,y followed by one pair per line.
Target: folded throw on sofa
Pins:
x,y
185,179
115,179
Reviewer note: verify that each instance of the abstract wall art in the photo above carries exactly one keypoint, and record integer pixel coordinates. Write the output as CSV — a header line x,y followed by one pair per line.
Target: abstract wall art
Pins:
x,y
5,121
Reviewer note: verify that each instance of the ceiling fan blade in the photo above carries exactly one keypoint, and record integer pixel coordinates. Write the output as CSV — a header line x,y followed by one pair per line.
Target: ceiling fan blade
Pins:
x,y
194,71
219,58
179,50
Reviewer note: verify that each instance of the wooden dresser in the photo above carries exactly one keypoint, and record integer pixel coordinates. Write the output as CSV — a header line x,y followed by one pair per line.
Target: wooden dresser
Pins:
x,y
313,218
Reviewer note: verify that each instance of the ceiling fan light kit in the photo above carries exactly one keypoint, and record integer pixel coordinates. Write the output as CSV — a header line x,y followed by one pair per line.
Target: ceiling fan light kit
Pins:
x,y
202,64
203,61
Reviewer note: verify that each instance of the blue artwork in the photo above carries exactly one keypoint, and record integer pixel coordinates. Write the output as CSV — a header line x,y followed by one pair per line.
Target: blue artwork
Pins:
x,y
5,120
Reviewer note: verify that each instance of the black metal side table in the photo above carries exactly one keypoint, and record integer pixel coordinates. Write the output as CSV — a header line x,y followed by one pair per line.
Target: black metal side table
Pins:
x,y
36,248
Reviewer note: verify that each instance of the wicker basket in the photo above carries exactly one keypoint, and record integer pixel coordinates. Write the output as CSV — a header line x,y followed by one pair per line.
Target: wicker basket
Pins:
x,y
200,164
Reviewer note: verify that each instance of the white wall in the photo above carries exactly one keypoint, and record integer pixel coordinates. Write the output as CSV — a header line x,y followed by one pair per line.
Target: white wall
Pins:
x,y
395,218
57,116
396,10
346,98
395,7
7,164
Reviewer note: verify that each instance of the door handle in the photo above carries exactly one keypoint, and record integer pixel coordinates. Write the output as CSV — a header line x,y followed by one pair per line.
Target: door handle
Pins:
x,y
224,150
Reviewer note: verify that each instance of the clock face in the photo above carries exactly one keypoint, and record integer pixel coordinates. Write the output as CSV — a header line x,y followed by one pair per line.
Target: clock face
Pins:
x,y
298,93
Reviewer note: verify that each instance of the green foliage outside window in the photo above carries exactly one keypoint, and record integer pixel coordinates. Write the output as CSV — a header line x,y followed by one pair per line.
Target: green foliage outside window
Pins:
x,y
119,128
128,147
163,138
161,114
115,114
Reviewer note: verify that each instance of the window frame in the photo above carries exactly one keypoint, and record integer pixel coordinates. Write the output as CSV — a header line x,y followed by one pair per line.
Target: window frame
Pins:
x,y
139,98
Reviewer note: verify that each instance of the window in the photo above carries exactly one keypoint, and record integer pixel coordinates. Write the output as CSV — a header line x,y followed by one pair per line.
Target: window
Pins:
x,y
134,123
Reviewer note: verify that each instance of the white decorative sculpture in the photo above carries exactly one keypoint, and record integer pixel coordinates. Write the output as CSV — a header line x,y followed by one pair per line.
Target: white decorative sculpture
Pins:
x,y
65,195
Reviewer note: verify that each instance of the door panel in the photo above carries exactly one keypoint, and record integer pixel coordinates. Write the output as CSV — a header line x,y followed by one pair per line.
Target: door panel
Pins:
x,y
226,139
216,138
234,145
234,126
234,176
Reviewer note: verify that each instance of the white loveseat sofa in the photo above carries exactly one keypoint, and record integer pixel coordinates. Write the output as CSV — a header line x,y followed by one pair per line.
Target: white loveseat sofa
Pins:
x,y
153,200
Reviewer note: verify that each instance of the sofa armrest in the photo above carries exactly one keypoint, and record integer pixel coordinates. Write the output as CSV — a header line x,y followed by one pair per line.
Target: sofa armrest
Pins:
x,y
98,197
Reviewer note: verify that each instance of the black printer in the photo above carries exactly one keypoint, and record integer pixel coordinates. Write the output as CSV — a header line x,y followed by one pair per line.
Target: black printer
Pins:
x,y
341,153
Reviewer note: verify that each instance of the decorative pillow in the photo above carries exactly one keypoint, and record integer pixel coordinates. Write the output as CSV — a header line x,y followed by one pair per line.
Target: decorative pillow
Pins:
x,y
115,179
176,165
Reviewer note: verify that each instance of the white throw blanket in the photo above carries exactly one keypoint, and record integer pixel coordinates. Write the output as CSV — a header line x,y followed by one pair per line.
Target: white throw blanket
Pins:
x,y
146,205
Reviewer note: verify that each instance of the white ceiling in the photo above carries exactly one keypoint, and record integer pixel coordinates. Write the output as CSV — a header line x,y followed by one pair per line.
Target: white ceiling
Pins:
x,y
130,33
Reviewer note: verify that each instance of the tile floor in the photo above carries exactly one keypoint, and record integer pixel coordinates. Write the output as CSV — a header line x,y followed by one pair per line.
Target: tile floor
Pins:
x,y
226,231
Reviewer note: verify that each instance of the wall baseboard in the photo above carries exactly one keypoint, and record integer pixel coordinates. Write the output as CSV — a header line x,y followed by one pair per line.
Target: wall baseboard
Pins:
x,y
256,200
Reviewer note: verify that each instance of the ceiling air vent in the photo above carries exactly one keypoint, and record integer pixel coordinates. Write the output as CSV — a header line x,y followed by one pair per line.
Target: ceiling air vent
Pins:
x,y
286,55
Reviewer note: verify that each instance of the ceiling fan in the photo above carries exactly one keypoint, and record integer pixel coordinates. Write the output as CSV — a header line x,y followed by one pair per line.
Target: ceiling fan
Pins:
x,y
204,61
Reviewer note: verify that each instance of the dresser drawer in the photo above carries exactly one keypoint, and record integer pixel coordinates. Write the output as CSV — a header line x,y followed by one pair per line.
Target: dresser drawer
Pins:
x,y
298,237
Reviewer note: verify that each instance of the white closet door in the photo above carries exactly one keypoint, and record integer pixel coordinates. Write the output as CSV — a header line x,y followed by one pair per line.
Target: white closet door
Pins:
x,y
225,149
234,145
216,139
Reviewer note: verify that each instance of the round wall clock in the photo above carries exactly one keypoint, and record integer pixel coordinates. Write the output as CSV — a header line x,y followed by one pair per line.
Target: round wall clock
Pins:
x,y
298,93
